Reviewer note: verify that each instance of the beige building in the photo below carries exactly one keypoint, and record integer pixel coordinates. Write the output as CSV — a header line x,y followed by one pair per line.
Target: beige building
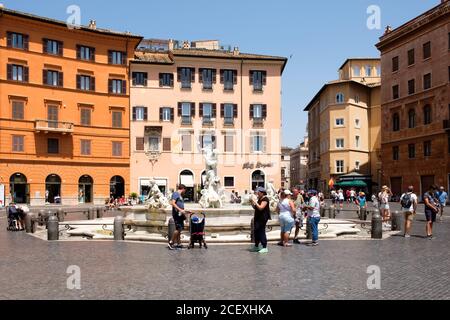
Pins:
x,y
344,126
286,167
299,165
189,96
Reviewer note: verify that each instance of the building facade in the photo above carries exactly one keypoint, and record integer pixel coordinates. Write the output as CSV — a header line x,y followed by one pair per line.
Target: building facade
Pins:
x,y
286,167
64,110
189,97
299,165
415,99
344,126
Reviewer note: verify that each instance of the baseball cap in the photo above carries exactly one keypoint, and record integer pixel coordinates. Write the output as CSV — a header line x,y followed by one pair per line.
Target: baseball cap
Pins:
x,y
260,189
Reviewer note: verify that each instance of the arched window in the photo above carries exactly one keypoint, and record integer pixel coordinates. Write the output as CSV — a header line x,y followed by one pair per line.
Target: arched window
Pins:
x,y
258,179
395,122
427,117
411,119
340,98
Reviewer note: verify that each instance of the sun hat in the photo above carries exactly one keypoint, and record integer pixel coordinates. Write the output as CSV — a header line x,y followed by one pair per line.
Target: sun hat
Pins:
x,y
261,189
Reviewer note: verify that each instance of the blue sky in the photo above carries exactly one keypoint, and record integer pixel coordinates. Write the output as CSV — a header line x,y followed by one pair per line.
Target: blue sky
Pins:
x,y
317,35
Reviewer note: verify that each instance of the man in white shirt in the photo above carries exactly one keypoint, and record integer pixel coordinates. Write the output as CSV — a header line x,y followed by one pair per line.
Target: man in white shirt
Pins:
x,y
314,216
409,202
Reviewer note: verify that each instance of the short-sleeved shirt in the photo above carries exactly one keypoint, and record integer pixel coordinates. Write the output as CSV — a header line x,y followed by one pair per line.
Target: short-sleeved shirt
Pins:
x,y
443,196
299,202
362,201
262,216
315,204
180,203
431,199
413,201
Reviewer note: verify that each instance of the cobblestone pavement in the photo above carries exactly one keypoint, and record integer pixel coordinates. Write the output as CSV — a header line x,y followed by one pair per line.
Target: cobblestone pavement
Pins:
x,y
410,269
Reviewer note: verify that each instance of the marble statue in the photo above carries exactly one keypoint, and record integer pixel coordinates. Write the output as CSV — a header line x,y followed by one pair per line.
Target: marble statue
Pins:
x,y
272,195
248,197
213,195
156,199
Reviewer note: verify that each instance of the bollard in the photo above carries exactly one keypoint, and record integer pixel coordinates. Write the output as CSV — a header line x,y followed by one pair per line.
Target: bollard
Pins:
x,y
29,223
119,232
396,221
171,229
91,213
308,230
252,230
322,211
332,213
99,212
377,225
41,216
47,216
52,229
60,213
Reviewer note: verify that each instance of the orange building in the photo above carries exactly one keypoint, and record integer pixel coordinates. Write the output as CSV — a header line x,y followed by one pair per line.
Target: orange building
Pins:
x,y
64,110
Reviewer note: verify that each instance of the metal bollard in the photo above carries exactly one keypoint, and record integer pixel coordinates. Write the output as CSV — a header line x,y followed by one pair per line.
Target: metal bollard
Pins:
x,y
47,216
171,229
91,213
29,223
322,211
99,212
396,221
60,213
119,231
252,230
377,225
52,229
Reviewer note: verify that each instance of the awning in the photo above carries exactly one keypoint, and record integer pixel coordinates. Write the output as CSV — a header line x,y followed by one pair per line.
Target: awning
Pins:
x,y
188,181
354,183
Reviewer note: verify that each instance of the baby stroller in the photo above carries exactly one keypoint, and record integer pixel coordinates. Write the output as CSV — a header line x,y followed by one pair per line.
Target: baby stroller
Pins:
x,y
197,230
14,214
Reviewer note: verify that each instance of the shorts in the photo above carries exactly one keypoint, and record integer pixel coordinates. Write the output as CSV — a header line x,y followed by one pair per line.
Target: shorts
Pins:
x,y
286,223
409,216
384,206
179,225
430,215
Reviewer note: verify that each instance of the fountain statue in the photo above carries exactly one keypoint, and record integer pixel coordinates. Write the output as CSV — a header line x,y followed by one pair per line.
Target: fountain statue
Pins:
x,y
156,199
213,195
272,195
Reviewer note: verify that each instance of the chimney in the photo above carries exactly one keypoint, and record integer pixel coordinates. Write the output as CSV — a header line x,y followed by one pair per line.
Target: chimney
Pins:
x,y
171,45
236,51
93,25
186,45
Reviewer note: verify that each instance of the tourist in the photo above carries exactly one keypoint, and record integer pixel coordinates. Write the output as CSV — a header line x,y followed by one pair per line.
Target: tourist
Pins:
x,y
334,197
409,203
313,209
299,202
442,197
352,195
261,217
347,195
286,209
361,201
431,210
341,198
233,197
15,213
238,198
383,197
179,216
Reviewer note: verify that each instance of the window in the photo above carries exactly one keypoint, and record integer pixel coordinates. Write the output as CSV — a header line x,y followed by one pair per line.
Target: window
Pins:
x,y
53,78
411,57
117,86
17,40
339,166
17,72
427,149
117,57
339,143
18,110
258,79
167,144
117,149
186,114
85,53
52,116
357,123
395,64
411,119
140,78
140,114
427,81
356,71
395,92
427,117
396,122
357,141
166,114
17,143
207,78
53,47
257,111
340,98
379,71
117,119
207,112
412,151
368,71
258,143
357,165
357,99
53,146
229,182
228,113
85,147
427,50
339,122
208,141
395,153
411,86
85,116
229,143
186,143
153,143
228,78
166,79
140,144
186,76
86,83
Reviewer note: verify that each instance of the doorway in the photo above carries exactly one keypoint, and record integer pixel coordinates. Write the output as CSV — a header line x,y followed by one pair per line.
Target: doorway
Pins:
x,y
53,189
117,187
258,179
19,188
187,178
85,189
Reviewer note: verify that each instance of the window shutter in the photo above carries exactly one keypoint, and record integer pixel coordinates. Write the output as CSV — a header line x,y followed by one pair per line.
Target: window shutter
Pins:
x,y
222,110
134,114
264,78
193,75
180,109
145,113
251,111
78,81
92,57
214,76
200,74
26,72
44,45
78,52
235,110
167,144
60,48
235,76
139,144
222,76
92,83
9,39
214,110
44,77
179,74
264,111
124,87
193,109
124,58
161,111
172,114
251,77
171,79
200,111
9,72
252,143
110,57
110,85
161,76
26,41
61,79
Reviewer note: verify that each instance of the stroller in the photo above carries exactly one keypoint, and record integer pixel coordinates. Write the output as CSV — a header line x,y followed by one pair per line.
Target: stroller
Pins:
x,y
197,230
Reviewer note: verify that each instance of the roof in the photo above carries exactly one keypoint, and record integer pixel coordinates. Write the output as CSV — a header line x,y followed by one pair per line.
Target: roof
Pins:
x,y
371,85
153,57
64,24
358,59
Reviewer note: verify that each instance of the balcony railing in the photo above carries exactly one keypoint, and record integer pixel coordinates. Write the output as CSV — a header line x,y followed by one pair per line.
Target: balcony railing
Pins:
x,y
186,120
228,121
54,126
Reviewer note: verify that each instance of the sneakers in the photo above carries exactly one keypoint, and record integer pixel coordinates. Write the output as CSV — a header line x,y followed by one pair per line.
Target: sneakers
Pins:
x,y
314,244
296,241
430,237
180,246
255,249
407,236
170,246
263,251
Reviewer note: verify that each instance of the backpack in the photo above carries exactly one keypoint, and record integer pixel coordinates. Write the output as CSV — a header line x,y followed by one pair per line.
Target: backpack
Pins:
x,y
406,201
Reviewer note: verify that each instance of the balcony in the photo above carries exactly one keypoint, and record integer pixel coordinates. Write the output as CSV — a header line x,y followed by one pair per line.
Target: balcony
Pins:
x,y
186,120
49,126
228,122
207,121
258,122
